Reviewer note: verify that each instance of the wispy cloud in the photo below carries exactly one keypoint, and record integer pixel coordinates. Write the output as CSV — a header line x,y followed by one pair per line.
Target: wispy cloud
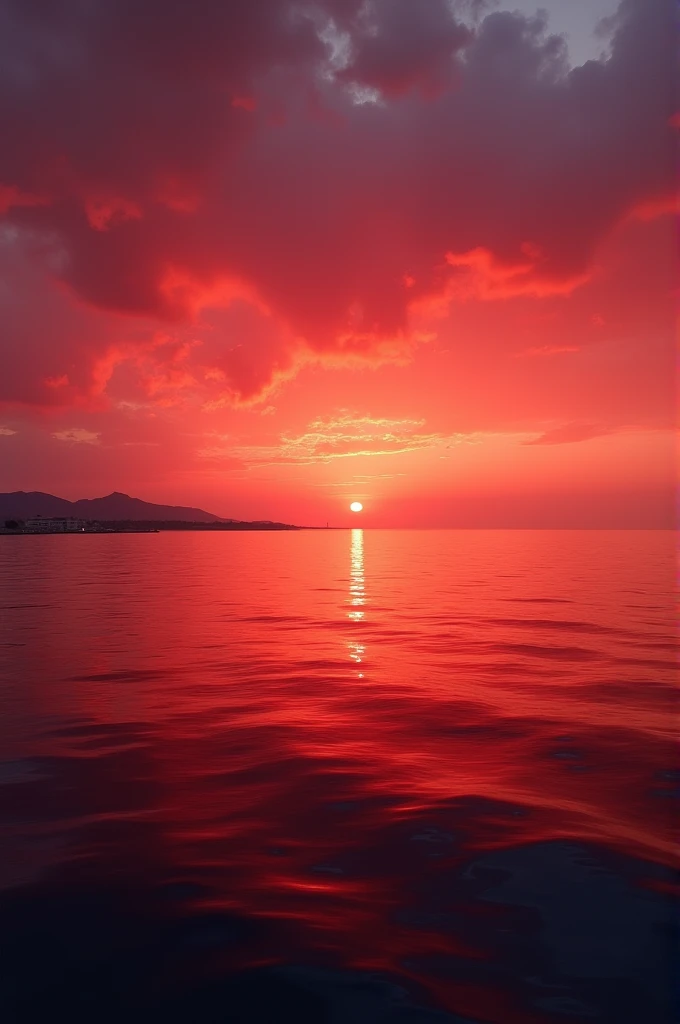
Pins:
x,y
569,434
6,432
356,481
77,435
138,444
340,437
547,350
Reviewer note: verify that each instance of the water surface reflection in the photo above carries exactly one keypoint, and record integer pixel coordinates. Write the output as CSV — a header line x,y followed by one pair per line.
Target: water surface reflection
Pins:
x,y
204,816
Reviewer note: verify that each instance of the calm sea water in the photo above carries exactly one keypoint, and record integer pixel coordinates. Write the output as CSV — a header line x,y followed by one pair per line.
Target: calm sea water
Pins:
x,y
338,776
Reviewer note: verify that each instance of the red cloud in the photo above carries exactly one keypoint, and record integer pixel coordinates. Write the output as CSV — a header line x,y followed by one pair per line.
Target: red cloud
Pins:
x,y
490,278
248,103
11,195
134,178
569,434
548,350
105,213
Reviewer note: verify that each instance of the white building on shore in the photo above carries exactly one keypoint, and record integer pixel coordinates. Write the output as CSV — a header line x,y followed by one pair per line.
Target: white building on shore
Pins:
x,y
55,524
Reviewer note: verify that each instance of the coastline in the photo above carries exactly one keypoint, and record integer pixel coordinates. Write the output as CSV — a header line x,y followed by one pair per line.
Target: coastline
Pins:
x,y
164,527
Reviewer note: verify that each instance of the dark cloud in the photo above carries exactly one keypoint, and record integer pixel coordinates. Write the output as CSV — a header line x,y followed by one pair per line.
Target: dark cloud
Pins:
x,y
398,45
173,157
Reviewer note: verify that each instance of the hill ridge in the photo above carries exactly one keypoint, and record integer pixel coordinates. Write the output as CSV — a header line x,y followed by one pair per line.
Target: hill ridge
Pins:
x,y
22,505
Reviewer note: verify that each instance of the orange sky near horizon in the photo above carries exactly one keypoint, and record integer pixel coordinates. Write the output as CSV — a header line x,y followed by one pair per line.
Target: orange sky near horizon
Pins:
x,y
419,256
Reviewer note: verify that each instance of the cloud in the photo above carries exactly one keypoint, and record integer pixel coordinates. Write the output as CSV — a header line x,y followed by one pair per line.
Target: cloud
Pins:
x,y
77,435
340,437
11,196
7,432
549,350
397,46
208,167
569,434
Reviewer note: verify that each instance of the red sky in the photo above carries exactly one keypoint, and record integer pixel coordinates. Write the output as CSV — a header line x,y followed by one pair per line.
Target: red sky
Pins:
x,y
271,257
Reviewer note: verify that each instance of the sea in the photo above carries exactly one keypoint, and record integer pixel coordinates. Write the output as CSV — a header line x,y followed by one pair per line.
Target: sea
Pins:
x,y
342,776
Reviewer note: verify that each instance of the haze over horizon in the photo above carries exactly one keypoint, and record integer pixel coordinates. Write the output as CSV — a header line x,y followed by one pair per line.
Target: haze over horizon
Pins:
x,y
419,255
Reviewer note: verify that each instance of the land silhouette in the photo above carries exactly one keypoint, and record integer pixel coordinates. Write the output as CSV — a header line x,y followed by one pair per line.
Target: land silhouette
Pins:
x,y
119,511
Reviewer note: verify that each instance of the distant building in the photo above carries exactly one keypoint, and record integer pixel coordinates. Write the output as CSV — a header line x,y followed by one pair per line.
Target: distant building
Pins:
x,y
55,524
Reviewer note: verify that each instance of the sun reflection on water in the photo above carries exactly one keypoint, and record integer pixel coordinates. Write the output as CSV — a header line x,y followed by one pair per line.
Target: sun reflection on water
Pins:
x,y
357,593
357,589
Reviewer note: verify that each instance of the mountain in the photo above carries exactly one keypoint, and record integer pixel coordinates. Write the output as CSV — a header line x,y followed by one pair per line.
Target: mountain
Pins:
x,y
114,507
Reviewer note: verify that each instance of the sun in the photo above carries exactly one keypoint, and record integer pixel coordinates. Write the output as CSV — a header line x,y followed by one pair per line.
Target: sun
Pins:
x,y
356,506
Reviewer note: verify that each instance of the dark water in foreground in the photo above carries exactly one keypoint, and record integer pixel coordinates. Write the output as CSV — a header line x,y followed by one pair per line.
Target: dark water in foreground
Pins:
x,y
338,777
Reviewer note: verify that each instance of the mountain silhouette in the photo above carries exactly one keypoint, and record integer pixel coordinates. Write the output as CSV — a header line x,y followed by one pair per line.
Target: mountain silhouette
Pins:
x,y
113,507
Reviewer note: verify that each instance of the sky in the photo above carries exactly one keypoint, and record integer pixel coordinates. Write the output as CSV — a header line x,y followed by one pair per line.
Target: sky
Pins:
x,y
269,258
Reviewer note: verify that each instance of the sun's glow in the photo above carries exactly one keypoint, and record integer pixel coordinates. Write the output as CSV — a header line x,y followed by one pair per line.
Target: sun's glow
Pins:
x,y
356,506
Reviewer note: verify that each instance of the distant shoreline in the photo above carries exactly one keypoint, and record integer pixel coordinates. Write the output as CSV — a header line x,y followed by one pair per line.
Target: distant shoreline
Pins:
x,y
165,527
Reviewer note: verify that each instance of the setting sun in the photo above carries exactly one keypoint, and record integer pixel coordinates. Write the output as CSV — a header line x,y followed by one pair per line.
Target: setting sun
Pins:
x,y
356,506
